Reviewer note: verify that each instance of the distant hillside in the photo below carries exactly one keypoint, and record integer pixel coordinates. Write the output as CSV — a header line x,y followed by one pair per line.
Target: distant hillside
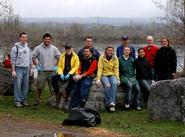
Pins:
x,y
93,20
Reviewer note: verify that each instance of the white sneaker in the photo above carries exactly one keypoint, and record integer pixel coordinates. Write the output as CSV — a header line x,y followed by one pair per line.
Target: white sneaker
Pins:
x,y
112,104
127,106
112,109
138,108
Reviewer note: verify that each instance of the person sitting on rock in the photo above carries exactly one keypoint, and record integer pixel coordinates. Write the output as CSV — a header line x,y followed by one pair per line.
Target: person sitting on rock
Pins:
x,y
67,67
108,75
128,79
83,79
143,74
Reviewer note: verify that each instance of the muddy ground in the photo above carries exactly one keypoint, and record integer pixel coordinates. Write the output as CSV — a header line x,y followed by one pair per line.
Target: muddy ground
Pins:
x,y
17,127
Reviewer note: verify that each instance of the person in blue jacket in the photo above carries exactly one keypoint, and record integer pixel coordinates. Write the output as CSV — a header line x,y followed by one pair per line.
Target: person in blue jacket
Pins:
x,y
125,43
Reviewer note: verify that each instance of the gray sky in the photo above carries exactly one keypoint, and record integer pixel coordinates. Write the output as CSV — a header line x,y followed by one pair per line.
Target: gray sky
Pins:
x,y
86,8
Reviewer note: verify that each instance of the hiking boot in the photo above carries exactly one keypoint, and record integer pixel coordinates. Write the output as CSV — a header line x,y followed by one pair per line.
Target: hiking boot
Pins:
x,y
25,103
36,103
18,105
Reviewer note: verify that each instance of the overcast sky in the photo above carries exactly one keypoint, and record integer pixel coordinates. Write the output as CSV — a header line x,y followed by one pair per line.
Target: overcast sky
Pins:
x,y
86,8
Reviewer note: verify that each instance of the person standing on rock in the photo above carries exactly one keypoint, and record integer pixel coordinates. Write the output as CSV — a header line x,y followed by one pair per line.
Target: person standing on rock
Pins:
x,y
45,58
67,67
21,62
166,61
143,74
128,79
150,53
83,79
89,43
125,43
108,75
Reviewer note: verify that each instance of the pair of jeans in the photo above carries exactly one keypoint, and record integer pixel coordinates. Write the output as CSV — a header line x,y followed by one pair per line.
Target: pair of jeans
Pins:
x,y
21,84
128,93
110,89
80,91
145,88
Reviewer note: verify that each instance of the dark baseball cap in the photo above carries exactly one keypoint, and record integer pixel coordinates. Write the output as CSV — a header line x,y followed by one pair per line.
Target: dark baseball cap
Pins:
x,y
125,37
67,46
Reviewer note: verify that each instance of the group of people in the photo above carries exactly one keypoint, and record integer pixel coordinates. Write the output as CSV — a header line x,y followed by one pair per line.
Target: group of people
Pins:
x,y
77,71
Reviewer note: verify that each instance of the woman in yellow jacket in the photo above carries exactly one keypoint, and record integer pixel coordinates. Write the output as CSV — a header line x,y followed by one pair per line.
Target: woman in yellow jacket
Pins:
x,y
108,75
67,67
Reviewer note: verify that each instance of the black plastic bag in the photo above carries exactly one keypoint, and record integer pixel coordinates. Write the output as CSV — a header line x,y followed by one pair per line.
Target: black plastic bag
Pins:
x,y
86,116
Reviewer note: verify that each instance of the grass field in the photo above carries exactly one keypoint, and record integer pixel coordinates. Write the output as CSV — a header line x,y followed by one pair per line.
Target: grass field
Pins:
x,y
136,123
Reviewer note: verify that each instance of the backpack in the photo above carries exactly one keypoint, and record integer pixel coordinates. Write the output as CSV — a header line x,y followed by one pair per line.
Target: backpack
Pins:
x,y
86,116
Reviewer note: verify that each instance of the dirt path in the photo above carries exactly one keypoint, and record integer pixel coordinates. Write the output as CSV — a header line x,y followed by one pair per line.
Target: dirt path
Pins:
x,y
16,127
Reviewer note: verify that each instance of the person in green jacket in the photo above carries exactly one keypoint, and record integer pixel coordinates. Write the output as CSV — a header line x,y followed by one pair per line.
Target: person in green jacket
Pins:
x,y
108,75
128,79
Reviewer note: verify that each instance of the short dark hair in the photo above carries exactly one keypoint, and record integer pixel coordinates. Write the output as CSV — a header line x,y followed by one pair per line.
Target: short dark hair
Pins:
x,y
86,47
88,37
140,49
109,47
22,33
47,35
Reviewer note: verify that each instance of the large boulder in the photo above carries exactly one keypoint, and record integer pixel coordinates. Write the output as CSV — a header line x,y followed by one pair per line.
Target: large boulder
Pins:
x,y
96,97
167,100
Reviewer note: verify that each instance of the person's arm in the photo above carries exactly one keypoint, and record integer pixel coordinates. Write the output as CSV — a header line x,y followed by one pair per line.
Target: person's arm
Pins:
x,y
13,61
100,68
76,65
174,62
116,68
91,69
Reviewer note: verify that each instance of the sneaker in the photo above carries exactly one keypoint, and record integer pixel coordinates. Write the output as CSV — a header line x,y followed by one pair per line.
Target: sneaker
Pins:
x,y
25,103
127,106
112,105
36,103
18,105
112,109
138,108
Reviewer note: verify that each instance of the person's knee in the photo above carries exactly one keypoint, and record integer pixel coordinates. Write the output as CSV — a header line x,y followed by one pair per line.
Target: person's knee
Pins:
x,y
107,85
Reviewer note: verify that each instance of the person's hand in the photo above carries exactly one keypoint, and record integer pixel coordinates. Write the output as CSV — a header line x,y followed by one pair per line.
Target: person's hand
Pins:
x,y
14,74
98,83
67,76
39,68
77,77
119,82
62,77
55,68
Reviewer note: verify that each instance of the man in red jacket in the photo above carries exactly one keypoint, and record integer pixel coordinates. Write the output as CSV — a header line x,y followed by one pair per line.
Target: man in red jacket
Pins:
x,y
150,53
84,78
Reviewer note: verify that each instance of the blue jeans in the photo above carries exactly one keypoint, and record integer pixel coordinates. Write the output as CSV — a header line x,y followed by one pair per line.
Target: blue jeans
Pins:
x,y
80,91
110,89
21,84
145,87
128,93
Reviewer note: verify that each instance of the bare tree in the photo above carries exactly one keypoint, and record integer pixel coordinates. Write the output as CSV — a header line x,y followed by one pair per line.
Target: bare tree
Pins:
x,y
175,18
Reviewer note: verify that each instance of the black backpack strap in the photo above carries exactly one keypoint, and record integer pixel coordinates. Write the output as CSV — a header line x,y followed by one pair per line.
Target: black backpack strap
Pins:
x,y
17,50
